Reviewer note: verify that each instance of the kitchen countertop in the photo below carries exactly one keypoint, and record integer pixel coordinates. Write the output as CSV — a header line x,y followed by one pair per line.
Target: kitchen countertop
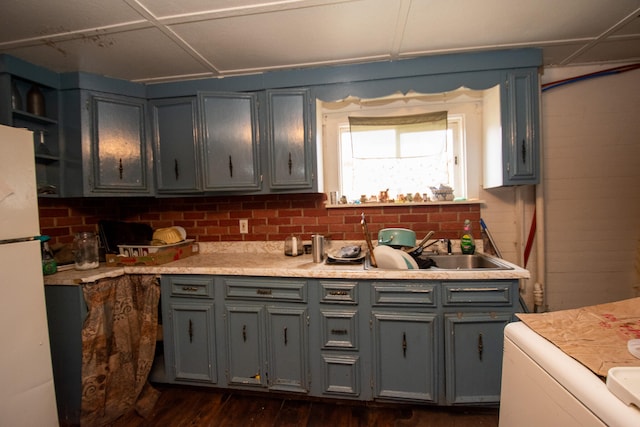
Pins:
x,y
267,259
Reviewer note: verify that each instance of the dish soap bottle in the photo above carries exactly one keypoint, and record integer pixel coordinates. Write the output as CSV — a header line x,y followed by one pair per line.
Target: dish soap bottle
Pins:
x,y
467,244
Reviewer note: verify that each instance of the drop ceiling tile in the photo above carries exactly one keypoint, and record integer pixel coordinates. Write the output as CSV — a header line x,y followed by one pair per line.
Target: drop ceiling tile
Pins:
x,y
632,27
25,19
134,55
614,50
554,55
162,8
443,24
337,32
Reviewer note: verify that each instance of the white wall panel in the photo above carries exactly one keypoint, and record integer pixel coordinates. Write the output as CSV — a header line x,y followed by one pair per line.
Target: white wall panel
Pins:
x,y
591,132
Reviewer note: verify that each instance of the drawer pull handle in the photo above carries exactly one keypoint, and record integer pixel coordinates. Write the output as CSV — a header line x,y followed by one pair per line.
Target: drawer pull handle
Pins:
x,y
290,163
475,289
190,331
338,293
230,167
480,347
189,289
120,169
285,336
263,291
339,331
176,169
404,344
244,333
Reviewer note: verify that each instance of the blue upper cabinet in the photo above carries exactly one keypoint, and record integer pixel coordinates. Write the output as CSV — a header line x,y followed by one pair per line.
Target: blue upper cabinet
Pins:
x,y
289,140
206,133
520,130
176,145
118,145
106,143
512,137
230,144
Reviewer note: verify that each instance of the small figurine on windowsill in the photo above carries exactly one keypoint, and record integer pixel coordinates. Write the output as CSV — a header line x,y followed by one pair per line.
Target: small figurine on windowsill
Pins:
x,y
384,196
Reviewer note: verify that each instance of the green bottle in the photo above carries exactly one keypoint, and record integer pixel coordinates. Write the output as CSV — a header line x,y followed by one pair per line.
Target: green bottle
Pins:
x,y
467,244
49,264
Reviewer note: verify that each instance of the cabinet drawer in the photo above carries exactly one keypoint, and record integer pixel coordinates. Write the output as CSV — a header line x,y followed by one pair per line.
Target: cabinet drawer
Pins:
x,y
190,286
339,329
265,289
341,375
401,293
338,292
481,293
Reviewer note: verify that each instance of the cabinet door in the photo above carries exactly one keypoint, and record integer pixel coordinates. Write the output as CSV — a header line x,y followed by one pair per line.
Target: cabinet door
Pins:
x,y
473,343
405,356
175,143
193,334
230,141
119,145
288,349
245,345
521,130
289,139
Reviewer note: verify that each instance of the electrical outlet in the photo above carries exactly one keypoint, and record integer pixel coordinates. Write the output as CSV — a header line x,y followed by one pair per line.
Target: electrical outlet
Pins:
x,y
244,226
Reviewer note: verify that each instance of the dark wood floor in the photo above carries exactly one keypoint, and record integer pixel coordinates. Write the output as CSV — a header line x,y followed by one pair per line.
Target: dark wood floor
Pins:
x,y
188,406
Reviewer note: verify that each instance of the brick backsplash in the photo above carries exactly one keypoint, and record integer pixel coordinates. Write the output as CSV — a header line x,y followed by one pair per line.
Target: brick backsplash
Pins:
x,y
271,217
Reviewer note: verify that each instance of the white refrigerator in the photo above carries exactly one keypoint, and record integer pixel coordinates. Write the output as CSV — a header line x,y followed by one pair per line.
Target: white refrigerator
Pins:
x,y
27,396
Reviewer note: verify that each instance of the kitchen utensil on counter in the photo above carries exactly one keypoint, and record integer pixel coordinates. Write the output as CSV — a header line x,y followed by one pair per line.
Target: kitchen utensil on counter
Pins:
x,y
367,238
417,250
317,247
85,251
293,246
397,237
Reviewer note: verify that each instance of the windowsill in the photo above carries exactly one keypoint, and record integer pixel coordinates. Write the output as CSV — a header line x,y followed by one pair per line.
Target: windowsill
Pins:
x,y
404,204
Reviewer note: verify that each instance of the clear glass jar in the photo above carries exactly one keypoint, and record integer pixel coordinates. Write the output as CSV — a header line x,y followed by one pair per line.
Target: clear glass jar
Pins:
x,y
85,250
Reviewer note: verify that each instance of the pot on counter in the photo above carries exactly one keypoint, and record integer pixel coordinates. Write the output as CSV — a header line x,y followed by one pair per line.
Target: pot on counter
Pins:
x,y
397,237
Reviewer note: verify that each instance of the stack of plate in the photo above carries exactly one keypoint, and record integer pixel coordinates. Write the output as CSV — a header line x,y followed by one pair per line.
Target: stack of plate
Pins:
x,y
394,259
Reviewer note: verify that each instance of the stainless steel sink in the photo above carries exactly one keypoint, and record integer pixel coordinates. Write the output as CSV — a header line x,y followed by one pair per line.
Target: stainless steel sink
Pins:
x,y
466,262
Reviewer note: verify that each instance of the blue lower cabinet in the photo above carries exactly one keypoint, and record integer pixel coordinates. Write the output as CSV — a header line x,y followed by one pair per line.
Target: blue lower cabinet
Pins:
x,y
194,341
189,329
245,345
420,341
405,355
267,337
288,345
473,356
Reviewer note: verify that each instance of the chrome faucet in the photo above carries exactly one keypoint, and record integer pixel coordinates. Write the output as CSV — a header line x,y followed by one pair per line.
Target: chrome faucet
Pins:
x,y
448,243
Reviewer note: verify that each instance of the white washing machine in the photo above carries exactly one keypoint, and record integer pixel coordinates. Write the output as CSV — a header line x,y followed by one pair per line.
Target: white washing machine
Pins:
x,y
543,386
